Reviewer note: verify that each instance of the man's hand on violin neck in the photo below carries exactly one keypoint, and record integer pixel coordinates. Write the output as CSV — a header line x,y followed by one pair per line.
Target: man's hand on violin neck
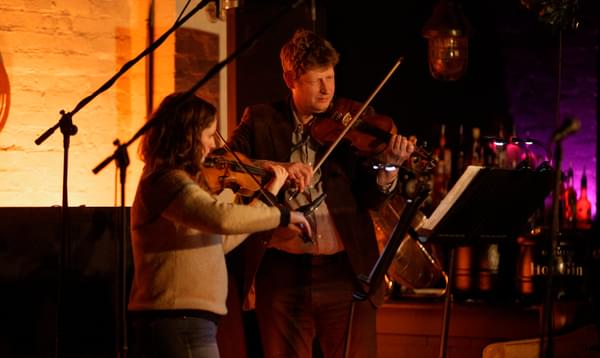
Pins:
x,y
300,174
398,150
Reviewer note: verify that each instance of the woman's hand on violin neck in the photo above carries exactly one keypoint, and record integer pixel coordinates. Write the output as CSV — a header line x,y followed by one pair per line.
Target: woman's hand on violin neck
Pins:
x,y
300,174
399,149
279,178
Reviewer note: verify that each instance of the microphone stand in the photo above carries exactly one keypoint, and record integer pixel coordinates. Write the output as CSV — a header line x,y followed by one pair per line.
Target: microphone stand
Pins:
x,y
376,276
546,339
122,158
68,129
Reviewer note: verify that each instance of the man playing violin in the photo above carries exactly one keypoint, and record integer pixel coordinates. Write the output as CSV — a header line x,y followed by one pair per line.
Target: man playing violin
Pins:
x,y
303,288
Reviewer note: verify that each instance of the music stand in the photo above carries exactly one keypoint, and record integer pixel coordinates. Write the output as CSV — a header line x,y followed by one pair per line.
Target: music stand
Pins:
x,y
485,204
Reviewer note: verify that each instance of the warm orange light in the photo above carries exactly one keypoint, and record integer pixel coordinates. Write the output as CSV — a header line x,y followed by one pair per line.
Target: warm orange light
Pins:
x,y
448,42
448,57
82,47
52,55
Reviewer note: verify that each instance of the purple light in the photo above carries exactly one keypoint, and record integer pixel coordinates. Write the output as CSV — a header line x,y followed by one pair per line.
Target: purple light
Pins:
x,y
579,149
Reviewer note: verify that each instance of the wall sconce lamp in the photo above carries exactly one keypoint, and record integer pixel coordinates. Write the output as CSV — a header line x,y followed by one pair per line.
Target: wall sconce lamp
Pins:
x,y
447,31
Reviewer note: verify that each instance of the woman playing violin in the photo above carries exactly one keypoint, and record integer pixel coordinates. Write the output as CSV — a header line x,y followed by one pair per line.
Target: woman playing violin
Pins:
x,y
181,232
304,289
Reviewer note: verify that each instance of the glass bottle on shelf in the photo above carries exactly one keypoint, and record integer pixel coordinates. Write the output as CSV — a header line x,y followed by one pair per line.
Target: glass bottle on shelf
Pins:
x,y
443,169
463,287
460,153
489,152
464,270
501,160
569,200
583,206
512,150
447,154
476,157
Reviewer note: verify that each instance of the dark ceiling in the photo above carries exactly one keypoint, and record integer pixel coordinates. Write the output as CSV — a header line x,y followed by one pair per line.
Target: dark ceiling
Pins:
x,y
371,36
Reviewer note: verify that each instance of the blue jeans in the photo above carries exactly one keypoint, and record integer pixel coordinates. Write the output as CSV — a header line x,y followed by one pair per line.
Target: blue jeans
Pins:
x,y
175,336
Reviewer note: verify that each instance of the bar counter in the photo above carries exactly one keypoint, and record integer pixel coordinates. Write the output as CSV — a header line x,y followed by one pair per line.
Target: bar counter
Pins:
x,y
412,328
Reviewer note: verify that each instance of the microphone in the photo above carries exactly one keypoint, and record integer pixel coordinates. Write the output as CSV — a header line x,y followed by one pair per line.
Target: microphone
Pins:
x,y
569,126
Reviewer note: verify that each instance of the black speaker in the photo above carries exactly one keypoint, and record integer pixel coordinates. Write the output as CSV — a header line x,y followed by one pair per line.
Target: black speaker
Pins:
x,y
30,254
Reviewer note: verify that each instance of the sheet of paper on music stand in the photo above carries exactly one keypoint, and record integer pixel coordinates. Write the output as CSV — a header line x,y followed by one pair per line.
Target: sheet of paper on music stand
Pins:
x,y
448,201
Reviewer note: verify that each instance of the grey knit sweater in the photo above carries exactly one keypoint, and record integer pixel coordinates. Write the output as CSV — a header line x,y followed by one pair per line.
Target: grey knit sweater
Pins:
x,y
180,235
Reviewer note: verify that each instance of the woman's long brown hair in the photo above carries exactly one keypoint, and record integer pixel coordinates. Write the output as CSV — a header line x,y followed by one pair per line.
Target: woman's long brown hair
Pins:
x,y
173,142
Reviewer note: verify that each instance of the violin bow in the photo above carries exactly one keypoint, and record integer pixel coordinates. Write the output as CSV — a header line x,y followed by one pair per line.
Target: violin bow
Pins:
x,y
357,115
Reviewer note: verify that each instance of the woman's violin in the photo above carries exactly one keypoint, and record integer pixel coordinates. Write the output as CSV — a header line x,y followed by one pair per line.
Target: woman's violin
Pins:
x,y
221,170
224,169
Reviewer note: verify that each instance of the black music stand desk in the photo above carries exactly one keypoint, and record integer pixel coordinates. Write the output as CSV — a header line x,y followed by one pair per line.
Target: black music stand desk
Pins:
x,y
485,204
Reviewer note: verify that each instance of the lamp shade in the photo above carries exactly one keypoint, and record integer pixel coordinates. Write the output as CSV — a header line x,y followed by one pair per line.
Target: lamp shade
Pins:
x,y
447,32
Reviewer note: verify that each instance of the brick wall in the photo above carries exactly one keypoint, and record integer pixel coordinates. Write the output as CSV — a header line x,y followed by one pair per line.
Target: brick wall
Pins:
x,y
54,54
196,52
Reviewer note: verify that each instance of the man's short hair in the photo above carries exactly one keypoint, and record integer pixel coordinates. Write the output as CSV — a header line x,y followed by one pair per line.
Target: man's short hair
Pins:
x,y
306,51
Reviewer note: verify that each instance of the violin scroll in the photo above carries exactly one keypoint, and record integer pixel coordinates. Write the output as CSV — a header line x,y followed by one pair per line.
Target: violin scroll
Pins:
x,y
421,162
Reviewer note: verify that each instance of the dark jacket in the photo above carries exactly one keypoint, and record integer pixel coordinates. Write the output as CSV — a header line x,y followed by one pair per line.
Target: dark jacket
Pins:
x,y
266,133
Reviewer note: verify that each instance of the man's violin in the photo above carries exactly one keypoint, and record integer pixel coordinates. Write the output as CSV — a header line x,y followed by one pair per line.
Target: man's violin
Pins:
x,y
345,121
369,134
